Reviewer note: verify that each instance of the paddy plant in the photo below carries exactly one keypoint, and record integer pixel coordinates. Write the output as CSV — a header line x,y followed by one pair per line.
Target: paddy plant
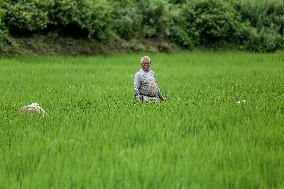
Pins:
x,y
221,126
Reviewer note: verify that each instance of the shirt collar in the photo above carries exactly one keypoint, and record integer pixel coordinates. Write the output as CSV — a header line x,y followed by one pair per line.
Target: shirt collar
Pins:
x,y
141,70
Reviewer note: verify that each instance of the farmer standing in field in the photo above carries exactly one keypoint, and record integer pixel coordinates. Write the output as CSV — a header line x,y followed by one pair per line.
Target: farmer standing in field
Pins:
x,y
145,85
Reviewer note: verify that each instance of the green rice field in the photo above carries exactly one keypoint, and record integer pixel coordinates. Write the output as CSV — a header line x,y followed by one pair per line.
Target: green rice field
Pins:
x,y
222,125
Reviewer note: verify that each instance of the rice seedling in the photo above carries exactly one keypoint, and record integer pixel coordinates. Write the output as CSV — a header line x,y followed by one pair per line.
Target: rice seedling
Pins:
x,y
221,126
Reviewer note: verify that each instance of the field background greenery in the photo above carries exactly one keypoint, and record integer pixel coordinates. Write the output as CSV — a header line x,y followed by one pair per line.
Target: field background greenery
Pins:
x,y
96,136
96,26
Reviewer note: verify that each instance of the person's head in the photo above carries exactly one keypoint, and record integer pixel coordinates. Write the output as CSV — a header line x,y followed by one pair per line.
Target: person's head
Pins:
x,y
145,63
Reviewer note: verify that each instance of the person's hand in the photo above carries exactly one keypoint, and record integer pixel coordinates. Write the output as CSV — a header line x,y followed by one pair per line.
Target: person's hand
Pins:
x,y
163,98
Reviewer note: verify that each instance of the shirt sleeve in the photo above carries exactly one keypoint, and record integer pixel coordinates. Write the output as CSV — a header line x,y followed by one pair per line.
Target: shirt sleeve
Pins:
x,y
158,89
137,85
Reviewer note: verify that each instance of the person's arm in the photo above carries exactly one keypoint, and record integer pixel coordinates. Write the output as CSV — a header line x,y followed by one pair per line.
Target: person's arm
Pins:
x,y
158,89
137,85
160,96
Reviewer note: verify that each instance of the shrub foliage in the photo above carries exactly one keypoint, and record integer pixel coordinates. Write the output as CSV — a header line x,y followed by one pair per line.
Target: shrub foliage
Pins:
x,y
244,24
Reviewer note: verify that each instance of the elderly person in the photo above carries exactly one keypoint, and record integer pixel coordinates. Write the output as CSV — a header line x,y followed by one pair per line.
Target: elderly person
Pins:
x,y
145,85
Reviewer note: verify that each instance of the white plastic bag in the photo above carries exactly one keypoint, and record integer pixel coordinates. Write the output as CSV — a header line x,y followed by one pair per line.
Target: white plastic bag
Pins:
x,y
33,108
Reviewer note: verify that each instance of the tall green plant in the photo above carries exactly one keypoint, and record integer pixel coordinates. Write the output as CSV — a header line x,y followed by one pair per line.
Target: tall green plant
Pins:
x,y
3,29
82,17
101,20
127,19
26,16
264,40
267,21
215,20
179,30
206,22
156,15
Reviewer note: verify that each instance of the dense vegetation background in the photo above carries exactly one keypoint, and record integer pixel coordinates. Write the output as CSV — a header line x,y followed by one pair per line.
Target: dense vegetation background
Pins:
x,y
94,26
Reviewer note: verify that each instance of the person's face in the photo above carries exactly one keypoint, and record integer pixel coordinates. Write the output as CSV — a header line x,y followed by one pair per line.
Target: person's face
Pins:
x,y
145,65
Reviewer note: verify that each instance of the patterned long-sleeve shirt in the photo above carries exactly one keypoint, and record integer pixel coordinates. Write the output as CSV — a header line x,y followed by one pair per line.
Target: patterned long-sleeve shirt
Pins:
x,y
145,84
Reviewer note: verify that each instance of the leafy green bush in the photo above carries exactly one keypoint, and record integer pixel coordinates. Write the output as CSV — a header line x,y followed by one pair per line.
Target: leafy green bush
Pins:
x,y
215,20
156,14
26,16
265,40
73,17
250,25
263,14
177,1
2,13
101,20
206,22
81,17
179,30
267,24
3,30
127,20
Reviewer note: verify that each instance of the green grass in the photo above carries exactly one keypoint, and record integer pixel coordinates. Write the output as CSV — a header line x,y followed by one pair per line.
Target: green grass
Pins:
x,y
95,136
